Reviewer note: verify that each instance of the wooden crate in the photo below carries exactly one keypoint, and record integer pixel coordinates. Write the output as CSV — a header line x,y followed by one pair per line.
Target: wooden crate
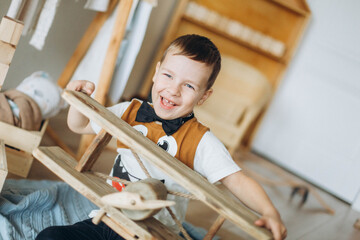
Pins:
x,y
19,145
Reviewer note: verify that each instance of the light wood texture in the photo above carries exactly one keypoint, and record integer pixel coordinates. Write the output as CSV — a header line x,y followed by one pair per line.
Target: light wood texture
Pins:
x,y
20,138
214,228
262,33
97,219
3,164
193,182
118,32
300,222
4,68
93,152
6,52
241,92
19,160
150,189
107,71
134,201
10,30
84,44
93,188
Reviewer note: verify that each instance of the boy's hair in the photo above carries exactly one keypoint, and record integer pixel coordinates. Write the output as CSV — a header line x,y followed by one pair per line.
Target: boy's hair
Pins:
x,y
198,48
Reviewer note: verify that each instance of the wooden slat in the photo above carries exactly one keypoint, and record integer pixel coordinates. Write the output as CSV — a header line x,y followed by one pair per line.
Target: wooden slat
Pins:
x,y
10,30
93,152
6,52
4,68
118,33
193,182
93,188
19,162
214,228
3,164
84,44
29,139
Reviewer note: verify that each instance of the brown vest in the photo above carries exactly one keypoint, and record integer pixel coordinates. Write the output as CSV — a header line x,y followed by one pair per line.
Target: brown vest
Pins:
x,y
187,137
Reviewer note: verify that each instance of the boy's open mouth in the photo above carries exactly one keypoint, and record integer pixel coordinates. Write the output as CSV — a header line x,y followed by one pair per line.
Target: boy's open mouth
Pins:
x,y
166,103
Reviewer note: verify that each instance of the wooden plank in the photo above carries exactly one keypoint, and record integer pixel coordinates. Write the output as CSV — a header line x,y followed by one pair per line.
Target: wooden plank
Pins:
x,y
19,162
193,182
3,164
108,67
6,52
93,152
93,188
117,35
4,68
10,30
84,44
29,139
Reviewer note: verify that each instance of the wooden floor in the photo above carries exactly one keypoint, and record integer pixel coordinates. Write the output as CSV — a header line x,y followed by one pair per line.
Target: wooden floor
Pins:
x,y
311,221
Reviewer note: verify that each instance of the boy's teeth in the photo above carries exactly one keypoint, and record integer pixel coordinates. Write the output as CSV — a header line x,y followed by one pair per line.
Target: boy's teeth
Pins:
x,y
167,101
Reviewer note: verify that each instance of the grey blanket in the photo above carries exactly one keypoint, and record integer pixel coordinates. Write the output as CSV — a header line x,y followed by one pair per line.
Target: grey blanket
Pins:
x,y
28,206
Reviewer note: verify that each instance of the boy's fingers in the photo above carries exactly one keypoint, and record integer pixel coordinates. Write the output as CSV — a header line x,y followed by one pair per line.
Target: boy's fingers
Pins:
x,y
276,233
260,222
89,88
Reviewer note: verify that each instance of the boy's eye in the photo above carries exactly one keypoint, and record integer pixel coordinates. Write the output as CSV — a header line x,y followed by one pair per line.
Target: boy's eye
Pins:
x,y
168,75
189,86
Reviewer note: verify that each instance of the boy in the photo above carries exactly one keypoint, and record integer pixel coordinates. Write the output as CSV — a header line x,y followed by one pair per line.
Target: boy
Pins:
x,y
183,78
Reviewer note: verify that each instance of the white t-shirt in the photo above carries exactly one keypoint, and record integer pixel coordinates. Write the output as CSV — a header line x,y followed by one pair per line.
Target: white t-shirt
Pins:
x,y
212,161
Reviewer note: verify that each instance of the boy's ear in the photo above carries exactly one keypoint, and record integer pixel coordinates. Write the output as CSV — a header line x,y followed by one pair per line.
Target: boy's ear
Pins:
x,y
156,70
206,95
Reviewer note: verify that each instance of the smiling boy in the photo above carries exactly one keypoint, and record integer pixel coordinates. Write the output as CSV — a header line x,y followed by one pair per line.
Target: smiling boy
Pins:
x,y
183,79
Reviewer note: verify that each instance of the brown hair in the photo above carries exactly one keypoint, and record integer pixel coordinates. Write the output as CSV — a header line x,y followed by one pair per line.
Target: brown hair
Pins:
x,y
198,48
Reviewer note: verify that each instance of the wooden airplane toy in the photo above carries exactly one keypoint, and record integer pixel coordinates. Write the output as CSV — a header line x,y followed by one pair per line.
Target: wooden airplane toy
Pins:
x,y
77,175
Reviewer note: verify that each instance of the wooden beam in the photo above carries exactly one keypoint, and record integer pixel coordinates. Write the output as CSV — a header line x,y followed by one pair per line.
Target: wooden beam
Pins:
x,y
84,44
4,68
10,30
190,180
3,164
29,139
109,63
93,152
117,36
214,228
19,162
93,188
6,52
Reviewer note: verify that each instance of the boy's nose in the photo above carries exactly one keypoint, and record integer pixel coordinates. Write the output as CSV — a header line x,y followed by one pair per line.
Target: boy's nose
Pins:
x,y
174,89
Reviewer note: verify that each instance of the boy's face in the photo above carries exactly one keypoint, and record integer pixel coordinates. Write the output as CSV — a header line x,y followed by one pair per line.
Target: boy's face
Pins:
x,y
179,85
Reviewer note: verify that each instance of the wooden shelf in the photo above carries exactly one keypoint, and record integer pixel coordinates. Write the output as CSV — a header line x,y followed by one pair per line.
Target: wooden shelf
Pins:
x,y
297,6
232,38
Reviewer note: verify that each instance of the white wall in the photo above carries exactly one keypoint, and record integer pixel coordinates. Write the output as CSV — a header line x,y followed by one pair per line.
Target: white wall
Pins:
x,y
312,126
70,23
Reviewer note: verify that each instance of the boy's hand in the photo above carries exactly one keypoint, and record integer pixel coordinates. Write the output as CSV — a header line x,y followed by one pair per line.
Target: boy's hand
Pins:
x,y
84,86
274,224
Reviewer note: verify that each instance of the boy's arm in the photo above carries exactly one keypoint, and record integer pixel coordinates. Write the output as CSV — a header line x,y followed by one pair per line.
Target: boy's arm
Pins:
x,y
254,196
76,121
